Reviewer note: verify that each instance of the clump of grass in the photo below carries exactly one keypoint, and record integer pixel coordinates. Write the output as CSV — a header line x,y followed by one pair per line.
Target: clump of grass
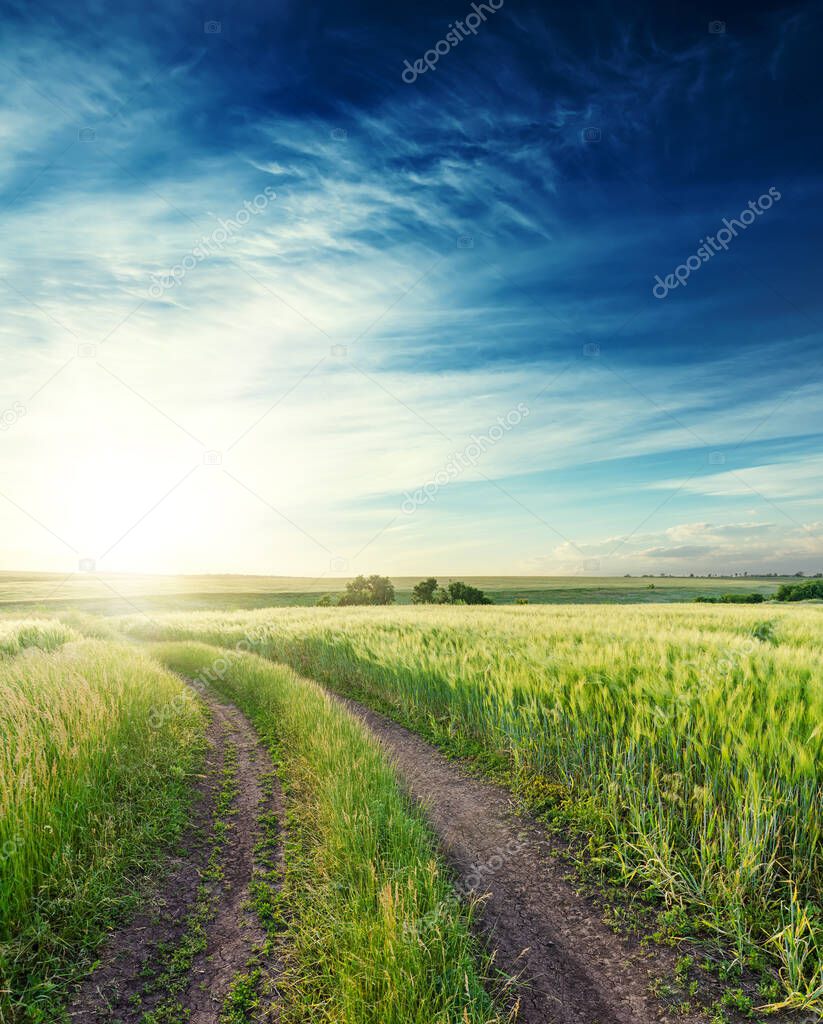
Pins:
x,y
42,634
685,742
373,933
91,793
765,631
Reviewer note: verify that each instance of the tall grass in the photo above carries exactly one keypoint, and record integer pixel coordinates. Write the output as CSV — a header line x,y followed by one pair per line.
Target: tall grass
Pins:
x,y
92,787
374,933
43,634
688,741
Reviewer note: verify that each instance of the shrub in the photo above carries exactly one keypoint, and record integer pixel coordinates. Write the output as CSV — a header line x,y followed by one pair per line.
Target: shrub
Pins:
x,y
799,591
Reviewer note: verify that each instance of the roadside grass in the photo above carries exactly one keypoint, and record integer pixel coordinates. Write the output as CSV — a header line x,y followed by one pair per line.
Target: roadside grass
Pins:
x,y
684,744
371,931
94,786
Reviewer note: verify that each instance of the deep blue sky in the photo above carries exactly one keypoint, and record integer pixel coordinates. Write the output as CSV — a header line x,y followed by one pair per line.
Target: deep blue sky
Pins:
x,y
439,253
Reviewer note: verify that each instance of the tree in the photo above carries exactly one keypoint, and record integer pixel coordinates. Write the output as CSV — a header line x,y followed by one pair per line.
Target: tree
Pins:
x,y
428,591
462,593
374,590
382,589
424,591
799,591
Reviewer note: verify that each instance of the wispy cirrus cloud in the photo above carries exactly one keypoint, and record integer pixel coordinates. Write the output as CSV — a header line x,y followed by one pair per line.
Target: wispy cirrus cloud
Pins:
x,y
434,256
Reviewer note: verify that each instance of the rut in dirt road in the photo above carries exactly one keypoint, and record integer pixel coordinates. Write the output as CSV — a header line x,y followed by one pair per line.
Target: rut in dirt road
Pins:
x,y
209,884
235,932
574,969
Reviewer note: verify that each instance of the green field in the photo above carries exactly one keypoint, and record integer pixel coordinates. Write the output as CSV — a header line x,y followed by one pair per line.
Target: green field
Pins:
x,y
112,594
684,742
677,748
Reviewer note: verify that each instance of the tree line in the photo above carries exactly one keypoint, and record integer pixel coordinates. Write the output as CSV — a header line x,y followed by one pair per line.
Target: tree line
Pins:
x,y
805,591
377,590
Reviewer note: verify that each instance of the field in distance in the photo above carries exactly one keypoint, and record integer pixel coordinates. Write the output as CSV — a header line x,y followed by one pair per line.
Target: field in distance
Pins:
x,y
116,593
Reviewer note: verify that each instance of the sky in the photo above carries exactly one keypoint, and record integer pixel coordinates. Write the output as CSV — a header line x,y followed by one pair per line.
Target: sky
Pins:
x,y
330,288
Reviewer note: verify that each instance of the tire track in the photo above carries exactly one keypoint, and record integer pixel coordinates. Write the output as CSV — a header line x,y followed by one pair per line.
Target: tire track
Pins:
x,y
234,933
574,970
118,990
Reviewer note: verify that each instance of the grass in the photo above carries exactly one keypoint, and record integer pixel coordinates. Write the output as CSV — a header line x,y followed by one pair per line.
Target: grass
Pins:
x,y
92,791
684,742
362,878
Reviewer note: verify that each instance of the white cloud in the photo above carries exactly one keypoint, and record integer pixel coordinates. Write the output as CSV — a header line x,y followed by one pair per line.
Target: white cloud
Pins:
x,y
696,547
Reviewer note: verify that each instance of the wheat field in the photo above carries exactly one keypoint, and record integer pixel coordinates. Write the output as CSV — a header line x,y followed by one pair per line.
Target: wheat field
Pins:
x,y
685,743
